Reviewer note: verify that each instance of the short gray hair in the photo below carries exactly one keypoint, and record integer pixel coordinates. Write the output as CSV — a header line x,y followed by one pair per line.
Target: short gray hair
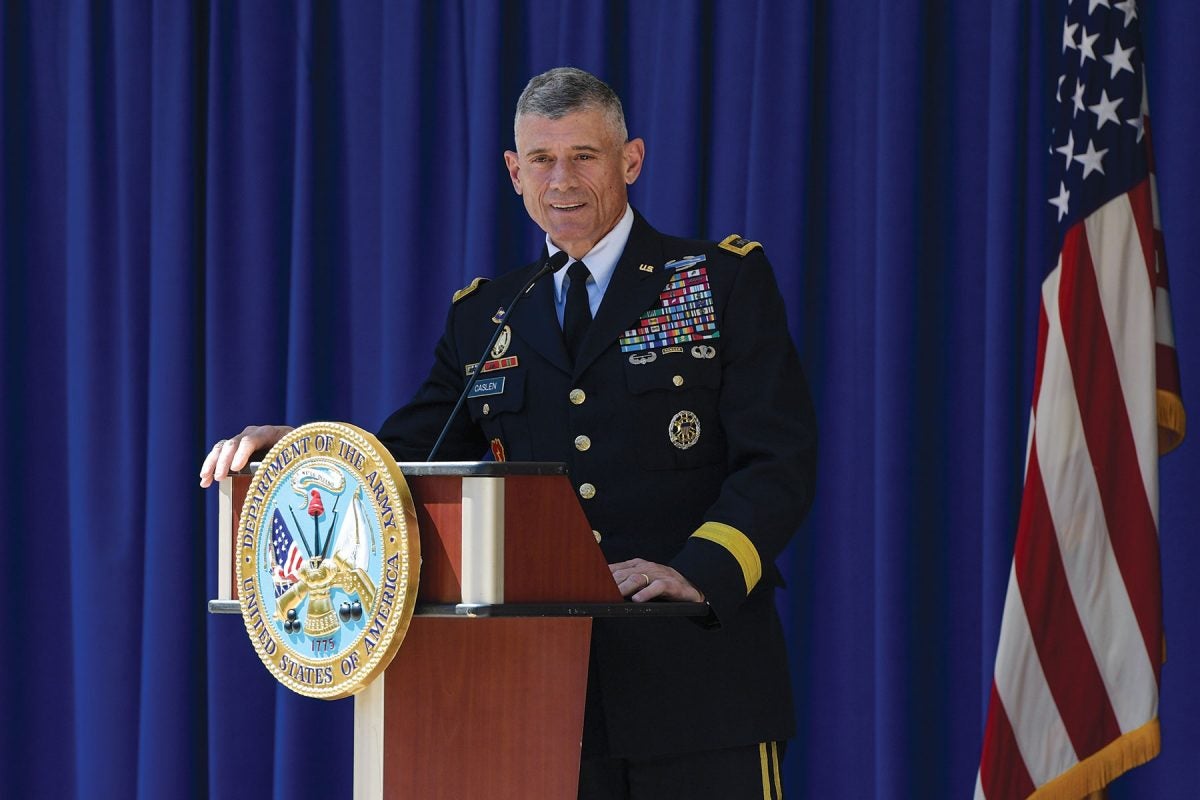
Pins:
x,y
565,90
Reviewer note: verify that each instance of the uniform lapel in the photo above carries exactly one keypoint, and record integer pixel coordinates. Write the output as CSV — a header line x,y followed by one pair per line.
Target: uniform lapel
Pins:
x,y
631,291
536,323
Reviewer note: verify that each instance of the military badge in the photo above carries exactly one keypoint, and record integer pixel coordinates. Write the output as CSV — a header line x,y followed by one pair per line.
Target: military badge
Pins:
x,y
642,357
704,351
502,343
328,558
684,430
683,263
498,451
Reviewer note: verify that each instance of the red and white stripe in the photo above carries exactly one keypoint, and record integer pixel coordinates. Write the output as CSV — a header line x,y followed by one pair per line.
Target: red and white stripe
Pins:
x,y
289,571
1074,698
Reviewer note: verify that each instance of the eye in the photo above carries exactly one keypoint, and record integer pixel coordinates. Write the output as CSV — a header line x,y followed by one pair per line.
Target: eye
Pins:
x,y
540,159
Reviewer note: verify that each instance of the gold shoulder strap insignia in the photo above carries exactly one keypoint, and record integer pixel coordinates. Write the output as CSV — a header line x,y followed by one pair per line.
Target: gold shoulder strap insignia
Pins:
x,y
466,290
734,243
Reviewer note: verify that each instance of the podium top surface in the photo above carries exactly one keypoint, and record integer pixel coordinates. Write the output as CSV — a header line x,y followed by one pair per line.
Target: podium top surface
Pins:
x,y
465,469
482,469
627,610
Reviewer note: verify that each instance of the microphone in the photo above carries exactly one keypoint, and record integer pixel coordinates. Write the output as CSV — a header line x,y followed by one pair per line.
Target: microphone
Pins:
x,y
552,264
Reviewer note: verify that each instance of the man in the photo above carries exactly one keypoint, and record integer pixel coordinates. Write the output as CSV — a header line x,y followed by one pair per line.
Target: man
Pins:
x,y
661,371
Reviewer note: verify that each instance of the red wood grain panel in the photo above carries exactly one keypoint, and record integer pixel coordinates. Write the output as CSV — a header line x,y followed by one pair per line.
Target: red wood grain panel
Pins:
x,y
486,709
550,552
438,500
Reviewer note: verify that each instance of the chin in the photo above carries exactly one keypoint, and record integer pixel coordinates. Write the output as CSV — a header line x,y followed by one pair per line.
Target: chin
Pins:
x,y
570,233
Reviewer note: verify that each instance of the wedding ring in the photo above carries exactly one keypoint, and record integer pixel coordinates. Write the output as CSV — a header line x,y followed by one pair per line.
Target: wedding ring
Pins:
x,y
647,577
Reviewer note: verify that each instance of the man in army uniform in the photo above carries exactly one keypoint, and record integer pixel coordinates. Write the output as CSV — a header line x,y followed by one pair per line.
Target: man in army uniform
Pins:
x,y
661,371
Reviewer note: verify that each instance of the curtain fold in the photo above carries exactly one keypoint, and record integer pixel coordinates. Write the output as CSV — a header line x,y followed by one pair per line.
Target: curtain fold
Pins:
x,y
221,214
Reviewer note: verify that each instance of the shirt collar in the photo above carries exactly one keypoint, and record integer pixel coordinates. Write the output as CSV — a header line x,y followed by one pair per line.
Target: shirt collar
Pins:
x,y
602,259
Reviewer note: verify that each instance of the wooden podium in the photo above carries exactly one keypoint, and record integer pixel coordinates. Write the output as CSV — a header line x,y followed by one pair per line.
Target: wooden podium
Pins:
x,y
485,697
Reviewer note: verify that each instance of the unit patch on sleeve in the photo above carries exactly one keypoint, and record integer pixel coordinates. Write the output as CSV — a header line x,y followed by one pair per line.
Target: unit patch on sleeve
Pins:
x,y
684,312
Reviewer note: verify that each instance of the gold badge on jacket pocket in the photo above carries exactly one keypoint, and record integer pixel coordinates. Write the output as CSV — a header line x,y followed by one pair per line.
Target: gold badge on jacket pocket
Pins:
x,y
684,429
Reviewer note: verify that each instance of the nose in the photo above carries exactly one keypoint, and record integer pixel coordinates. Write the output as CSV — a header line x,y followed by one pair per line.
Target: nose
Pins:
x,y
563,175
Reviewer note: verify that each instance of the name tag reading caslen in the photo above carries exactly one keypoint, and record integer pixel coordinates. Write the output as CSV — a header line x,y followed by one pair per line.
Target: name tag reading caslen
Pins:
x,y
487,386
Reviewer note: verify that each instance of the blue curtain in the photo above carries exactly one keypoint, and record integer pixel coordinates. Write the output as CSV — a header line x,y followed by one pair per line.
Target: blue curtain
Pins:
x,y
216,214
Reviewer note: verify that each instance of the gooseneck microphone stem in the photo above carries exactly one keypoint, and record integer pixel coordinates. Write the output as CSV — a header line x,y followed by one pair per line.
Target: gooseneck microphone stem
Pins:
x,y
553,264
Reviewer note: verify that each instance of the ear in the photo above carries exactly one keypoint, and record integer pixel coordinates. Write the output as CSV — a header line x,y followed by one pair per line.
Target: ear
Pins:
x,y
513,162
635,154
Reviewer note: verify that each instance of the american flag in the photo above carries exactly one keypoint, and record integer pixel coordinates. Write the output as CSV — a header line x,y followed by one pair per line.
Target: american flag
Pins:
x,y
288,559
1074,697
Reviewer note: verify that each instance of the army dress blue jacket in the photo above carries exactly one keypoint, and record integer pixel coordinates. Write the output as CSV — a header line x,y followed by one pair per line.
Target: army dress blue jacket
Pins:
x,y
700,453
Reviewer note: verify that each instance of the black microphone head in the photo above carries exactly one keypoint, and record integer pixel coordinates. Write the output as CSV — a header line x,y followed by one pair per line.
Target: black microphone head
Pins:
x,y
557,261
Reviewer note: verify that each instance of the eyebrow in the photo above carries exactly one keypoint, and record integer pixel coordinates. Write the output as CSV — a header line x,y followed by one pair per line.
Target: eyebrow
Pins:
x,y
576,147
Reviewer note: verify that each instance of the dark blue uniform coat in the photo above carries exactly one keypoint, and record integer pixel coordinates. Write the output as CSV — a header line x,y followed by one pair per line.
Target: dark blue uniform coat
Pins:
x,y
719,511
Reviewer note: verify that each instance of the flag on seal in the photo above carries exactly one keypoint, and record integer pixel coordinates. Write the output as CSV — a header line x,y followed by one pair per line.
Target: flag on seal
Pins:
x,y
1074,697
286,555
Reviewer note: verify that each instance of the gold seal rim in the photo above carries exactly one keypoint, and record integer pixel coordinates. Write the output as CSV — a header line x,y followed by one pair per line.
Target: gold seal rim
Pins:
x,y
406,544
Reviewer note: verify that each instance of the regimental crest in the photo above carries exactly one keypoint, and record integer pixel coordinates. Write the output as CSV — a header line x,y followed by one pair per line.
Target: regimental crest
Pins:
x,y
328,560
502,342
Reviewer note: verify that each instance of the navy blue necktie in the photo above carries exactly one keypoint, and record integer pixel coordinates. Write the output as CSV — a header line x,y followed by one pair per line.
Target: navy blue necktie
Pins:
x,y
578,314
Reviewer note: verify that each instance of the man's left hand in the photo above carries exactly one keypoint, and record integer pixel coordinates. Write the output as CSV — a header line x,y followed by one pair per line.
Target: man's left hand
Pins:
x,y
642,580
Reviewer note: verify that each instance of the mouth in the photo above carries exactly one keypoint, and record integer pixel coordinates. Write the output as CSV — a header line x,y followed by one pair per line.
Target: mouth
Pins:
x,y
566,206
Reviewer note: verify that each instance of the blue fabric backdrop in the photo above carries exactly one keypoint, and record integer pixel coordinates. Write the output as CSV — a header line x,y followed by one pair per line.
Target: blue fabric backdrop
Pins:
x,y
222,213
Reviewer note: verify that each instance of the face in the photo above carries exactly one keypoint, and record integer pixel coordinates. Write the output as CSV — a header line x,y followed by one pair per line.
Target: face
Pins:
x,y
572,174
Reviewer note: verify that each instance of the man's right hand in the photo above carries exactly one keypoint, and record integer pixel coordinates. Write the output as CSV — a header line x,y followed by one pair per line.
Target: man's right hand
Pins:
x,y
231,455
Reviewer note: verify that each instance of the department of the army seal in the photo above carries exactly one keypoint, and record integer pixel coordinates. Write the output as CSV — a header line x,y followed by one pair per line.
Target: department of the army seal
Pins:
x,y
328,559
